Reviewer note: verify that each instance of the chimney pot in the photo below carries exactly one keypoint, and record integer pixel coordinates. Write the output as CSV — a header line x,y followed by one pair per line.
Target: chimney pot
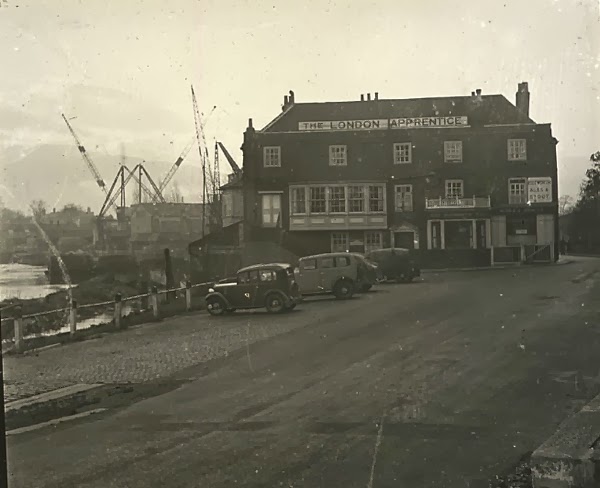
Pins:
x,y
472,93
376,95
250,123
362,97
291,99
368,96
478,91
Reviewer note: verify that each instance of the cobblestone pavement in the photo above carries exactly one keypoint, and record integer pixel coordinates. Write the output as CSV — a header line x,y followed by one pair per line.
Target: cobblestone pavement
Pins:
x,y
151,351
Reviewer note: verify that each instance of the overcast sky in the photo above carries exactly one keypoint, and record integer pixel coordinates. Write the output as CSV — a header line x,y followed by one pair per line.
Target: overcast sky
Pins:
x,y
124,67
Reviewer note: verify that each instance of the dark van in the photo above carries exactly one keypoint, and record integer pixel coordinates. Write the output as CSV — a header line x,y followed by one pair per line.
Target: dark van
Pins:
x,y
396,264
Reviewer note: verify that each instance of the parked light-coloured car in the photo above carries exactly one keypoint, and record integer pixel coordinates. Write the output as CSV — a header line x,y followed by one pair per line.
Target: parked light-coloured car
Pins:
x,y
341,274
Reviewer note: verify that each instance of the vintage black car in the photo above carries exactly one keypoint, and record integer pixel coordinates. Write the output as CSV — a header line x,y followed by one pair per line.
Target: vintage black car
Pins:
x,y
396,263
272,286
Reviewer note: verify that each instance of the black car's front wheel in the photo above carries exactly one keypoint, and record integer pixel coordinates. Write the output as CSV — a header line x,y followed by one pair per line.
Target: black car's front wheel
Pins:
x,y
215,306
274,303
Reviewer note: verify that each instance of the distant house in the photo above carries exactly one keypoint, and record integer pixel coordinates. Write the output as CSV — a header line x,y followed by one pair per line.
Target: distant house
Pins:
x,y
70,229
173,225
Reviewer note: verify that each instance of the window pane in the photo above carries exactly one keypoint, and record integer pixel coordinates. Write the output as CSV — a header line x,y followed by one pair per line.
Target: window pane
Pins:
x,y
317,200
337,199
309,264
298,200
276,201
337,155
356,198
404,200
342,261
327,263
339,241
402,152
375,198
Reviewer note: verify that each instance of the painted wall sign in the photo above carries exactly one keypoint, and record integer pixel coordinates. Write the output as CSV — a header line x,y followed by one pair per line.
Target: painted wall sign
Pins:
x,y
382,124
539,190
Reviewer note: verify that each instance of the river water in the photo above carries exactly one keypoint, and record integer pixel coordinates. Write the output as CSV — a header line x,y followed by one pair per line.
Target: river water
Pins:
x,y
24,282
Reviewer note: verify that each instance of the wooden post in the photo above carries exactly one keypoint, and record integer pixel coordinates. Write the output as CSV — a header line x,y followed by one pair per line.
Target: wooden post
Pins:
x,y
118,310
154,301
73,317
188,296
18,325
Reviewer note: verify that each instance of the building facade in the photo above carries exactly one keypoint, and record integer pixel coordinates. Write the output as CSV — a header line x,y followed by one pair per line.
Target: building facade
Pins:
x,y
451,176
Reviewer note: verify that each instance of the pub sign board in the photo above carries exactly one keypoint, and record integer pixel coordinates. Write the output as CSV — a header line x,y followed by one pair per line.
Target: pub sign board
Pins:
x,y
539,190
383,124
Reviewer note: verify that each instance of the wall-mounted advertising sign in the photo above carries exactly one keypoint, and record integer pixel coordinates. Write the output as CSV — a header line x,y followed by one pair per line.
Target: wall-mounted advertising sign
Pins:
x,y
539,190
382,124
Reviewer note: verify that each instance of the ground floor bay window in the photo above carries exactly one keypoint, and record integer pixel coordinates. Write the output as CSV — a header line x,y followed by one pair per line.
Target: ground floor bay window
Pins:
x,y
357,241
458,234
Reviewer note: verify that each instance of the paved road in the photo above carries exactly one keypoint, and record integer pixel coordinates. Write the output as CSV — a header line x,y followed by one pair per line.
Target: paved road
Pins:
x,y
445,382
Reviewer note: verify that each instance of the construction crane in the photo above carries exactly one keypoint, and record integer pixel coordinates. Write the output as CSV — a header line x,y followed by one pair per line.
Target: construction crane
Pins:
x,y
234,166
201,139
175,166
167,179
86,157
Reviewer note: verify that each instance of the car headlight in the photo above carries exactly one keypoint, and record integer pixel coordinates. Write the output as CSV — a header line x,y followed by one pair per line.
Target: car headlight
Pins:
x,y
210,290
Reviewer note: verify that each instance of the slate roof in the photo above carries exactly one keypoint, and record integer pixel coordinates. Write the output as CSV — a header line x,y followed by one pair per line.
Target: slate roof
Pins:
x,y
492,109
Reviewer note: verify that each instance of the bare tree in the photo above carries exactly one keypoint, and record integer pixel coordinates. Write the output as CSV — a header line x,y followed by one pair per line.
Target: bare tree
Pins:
x,y
174,195
565,204
38,208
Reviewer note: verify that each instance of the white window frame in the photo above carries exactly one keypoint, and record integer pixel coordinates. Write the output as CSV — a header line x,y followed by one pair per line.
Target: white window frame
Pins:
x,y
453,152
272,156
402,153
517,149
342,244
274,212
370,244
310,210
338,155
369,186
293,200
362,199
330,201
401,204
448,185
513,195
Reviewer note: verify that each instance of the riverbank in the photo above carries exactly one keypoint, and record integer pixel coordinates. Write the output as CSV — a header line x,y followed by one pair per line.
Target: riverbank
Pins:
x,y
96,290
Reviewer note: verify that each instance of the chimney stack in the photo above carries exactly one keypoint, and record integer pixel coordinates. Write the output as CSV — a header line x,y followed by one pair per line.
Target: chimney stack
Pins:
x,y
478,94
368,97
249,123
291,99
376,95
522,98
362,97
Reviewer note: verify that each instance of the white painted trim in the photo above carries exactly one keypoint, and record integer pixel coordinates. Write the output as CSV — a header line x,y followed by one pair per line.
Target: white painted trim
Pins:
x,y
276,119
362,131
511,125
488,233
274,192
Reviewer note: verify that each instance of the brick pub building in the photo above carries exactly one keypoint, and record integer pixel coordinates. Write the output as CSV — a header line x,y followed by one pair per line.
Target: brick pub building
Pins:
x,y
465,180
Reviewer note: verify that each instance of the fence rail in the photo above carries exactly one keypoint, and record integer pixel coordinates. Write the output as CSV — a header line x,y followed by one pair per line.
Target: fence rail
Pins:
x,y
117,304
